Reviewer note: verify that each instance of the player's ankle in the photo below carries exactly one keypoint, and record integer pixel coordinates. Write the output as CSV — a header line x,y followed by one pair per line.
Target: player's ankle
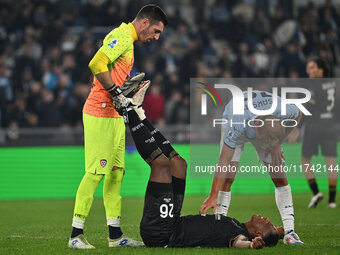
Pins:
x,y
115,232
76,232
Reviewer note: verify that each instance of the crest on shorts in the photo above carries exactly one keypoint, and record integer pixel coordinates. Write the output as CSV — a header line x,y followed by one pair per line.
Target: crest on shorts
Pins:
x,y
103,162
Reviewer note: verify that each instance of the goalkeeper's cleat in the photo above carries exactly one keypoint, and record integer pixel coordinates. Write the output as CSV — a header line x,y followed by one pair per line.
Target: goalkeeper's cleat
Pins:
x,y
315,200
138,97
132,83
124,241
292,238
332,205
79,242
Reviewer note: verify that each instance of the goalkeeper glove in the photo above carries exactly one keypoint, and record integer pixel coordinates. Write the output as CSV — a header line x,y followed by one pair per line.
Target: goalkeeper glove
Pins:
x,y
127,86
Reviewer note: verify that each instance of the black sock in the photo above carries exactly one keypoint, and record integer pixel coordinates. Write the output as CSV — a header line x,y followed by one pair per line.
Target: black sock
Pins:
x,y
76,232
332,193
145,143
313,186
115,232
178,186
162,142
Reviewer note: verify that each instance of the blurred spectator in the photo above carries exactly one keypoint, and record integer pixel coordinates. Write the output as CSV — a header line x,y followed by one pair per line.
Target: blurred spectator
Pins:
x,y
45,48
6,92
49,113
154,104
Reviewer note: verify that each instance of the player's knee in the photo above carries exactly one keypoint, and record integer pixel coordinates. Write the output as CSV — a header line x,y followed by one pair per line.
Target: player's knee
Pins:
x,y
179,166
161,162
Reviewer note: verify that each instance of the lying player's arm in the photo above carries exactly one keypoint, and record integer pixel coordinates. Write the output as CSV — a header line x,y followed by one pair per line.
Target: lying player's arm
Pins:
x,y
242,242
218,181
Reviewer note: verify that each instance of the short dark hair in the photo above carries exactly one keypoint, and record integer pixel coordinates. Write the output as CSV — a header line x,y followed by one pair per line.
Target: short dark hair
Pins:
x,y
271,239
152,12
322,64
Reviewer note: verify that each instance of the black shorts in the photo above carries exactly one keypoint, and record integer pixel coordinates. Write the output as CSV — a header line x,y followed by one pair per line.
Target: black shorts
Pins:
x,y
162,207
323,135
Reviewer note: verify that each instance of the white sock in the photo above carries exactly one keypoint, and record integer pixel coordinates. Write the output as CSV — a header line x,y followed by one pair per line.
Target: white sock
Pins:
x,y
113,222
223,202
140,113
77,223
284,202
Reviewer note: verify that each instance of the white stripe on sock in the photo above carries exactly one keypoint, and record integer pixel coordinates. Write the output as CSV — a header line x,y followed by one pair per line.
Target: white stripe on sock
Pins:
x,y
77,223
113,222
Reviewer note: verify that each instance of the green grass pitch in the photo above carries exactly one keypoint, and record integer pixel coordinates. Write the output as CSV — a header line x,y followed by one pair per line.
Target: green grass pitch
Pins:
x,y
43,226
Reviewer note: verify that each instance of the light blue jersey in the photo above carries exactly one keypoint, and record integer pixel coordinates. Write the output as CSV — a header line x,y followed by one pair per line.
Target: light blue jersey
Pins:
x,y
261,101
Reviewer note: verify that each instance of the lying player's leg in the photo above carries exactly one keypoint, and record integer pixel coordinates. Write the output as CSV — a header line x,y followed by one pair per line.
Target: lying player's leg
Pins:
x,y
158,216
178,165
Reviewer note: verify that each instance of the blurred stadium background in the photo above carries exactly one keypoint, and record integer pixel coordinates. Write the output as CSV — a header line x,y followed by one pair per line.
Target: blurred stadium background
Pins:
x,y
45,47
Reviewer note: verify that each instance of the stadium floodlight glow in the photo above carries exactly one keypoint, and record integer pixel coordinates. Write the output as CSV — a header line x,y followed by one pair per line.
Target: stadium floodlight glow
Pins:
x,y
238,100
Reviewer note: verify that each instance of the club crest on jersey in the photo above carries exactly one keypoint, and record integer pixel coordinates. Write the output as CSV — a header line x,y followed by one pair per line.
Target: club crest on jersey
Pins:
x,y
113,43
103,162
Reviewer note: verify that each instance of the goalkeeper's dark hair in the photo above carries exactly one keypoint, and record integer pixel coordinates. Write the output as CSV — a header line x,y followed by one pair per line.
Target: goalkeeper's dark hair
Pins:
x,y
322,64
271,239
153,13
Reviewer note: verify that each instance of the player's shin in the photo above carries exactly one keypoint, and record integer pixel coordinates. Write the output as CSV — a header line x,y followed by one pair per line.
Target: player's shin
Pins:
x,y
162,142
84,199
284,202
145,143
113,201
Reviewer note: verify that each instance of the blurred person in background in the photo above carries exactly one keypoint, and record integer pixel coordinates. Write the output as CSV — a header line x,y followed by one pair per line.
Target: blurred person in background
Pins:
x,y
154,104
322,107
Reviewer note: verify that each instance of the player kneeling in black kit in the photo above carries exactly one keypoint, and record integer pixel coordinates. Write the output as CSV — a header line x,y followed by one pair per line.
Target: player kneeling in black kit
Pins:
x,y
161,224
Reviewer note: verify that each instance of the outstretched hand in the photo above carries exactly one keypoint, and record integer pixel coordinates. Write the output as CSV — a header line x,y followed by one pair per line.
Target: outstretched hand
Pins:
x,y
210,202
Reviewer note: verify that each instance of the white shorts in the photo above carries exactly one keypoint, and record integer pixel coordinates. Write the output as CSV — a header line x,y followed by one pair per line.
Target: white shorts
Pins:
x,y
259,147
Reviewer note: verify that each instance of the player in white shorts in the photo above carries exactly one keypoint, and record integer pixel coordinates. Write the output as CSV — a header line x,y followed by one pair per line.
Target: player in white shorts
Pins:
x,y
267,138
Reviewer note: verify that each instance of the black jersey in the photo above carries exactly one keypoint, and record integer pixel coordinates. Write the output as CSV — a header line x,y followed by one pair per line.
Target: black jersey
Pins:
x,y
206,231
322,103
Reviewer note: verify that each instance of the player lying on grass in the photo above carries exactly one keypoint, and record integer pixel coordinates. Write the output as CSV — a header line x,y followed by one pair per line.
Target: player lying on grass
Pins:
x,y
267,140
161,224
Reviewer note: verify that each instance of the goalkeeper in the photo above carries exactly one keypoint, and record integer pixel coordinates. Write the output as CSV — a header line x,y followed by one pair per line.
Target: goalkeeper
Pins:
x,y
104,129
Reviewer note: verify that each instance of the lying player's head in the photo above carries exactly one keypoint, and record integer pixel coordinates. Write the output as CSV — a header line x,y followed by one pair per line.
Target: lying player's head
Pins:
x,y
262,227
151,20
269,130
317,68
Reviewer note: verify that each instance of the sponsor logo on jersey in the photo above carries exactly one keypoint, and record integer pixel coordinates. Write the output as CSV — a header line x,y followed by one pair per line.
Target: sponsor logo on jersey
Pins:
x,y
103,162
113,43
167,200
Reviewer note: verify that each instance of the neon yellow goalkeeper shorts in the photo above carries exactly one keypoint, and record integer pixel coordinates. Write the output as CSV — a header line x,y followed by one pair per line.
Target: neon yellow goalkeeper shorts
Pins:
x,y
104,143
